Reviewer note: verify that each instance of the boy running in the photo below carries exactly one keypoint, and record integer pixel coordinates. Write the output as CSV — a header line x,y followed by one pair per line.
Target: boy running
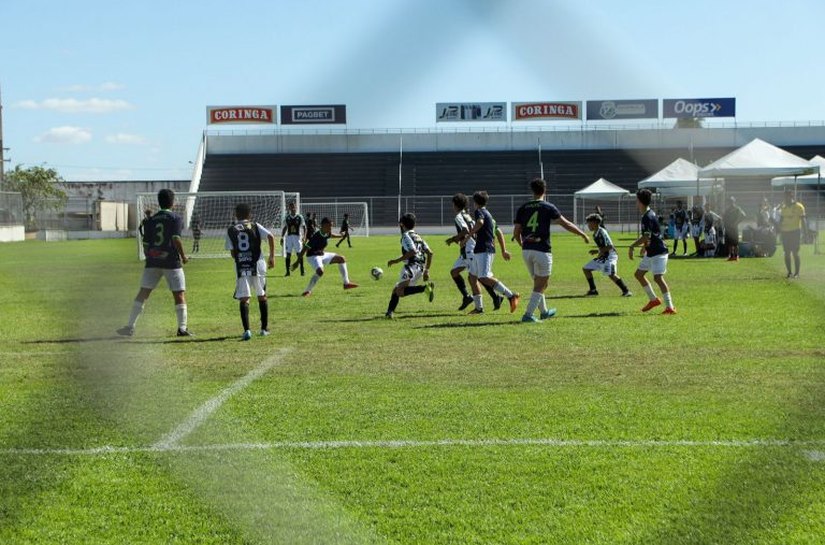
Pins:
x,y
345,229
606,259
655,254
244,240
418,257
317,257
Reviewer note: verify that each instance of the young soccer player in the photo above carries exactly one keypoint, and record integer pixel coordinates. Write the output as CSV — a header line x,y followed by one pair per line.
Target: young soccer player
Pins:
x,y
680,228
294,229
345,228
418,257
655,254
244,240
165,257
318,258
606,259
709,242
486,234
532,232
197,232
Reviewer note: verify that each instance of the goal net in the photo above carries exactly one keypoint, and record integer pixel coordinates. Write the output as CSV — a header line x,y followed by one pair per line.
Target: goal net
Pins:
x,y
358,218
207,216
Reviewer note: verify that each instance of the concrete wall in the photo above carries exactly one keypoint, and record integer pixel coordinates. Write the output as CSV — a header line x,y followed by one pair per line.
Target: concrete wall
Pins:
x,y
12,233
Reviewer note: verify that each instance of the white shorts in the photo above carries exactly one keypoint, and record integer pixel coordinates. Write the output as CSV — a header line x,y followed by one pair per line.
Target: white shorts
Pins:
x,y
411,274
318,261
174,278
482,265
607,266
681,232
245,286
538,263
292,244
696,230
464,262
656,264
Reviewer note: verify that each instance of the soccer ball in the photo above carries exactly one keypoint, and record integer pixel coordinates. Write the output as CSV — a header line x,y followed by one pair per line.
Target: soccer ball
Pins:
x,y
376,273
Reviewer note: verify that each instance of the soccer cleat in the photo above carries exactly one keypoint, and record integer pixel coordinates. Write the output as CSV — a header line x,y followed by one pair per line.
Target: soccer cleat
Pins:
x,y
529,319
350,285
627,294
264,332
126,331
514,299
388,316
429,289
796,275
497,302
466,302
476,311
549,313
246,335
306,293
591,293
669,310
652,304
184,333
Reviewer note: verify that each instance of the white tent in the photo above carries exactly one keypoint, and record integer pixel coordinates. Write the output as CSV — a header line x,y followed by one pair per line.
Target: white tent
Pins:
x,y
758,159
679,178
600,190
806,180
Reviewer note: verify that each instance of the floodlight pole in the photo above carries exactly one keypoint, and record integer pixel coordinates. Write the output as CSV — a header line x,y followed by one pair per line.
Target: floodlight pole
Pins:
x,y
2,149
400,162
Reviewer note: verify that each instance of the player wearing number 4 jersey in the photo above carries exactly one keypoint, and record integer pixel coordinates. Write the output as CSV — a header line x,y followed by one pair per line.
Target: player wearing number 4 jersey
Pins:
x,y
318,258
532,232
655,254
244,240
165,257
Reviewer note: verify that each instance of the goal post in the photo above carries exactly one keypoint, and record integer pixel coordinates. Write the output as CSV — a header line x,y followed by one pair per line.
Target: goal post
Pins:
x,y
208,214
358,215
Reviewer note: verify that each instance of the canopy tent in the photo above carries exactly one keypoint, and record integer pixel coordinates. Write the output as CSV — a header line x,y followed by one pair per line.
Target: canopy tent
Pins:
x,y
600,190
679,178
758,159
806,180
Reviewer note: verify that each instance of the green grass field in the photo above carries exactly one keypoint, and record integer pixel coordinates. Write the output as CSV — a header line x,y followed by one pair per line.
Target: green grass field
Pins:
x,y
602,426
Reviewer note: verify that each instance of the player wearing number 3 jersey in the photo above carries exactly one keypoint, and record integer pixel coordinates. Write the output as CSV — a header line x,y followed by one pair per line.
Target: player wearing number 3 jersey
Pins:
x,y
532,232
164,258
244,240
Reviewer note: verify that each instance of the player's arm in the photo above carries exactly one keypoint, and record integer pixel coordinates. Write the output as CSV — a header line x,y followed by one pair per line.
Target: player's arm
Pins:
x,y
300,255
407,255
271,239
572,228
641,241
283,234
500,238
428,263
517,233
477,226
458,237
178,244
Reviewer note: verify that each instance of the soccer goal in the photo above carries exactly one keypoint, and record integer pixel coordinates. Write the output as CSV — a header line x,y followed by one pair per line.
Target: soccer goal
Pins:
x,y
207,215
359,221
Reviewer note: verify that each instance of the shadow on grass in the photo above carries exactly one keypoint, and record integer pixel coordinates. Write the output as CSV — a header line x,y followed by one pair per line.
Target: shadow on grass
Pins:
x,y
132,340
452,325
595,315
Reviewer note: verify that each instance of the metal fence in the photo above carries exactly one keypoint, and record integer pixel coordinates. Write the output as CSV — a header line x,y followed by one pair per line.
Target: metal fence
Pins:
x,y
11,209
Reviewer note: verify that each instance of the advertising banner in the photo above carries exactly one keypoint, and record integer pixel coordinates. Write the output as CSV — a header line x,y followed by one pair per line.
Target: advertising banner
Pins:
x,y
547,111
470,111
699,107
240,114
328,114
623,109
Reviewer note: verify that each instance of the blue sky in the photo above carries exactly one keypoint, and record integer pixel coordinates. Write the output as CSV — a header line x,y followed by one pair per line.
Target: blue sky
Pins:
x,y
118,90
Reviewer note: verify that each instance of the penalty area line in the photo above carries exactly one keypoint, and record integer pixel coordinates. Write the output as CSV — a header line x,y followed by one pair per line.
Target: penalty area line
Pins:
x,y
174,447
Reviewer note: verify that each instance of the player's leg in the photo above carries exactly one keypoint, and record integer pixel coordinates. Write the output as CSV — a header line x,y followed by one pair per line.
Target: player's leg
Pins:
x,y
317,263
660,280
475,287
455,273
342,268
149,280
288,262
397,294
243,303
611,270
260,291
497,285
653,300
588,269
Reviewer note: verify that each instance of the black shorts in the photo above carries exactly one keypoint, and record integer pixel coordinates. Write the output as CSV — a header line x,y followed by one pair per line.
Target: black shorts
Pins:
x,y
732,237
790,240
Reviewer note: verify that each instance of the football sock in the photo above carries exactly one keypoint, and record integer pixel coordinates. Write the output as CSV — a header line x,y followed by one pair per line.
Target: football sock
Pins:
x,y
412,290
245,315
675,245
668,299
393,303
342,268
312,281
301,265
622,286
788,262
180,312
796,263
502,289
543,304
490,290
535,300
649,291
288,260
263,306
592,283
137,309
479,302
462,286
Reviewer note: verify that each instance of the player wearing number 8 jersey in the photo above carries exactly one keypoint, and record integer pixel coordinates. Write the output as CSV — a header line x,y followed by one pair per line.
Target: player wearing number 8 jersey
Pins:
x,y
244,241
165,257
532,232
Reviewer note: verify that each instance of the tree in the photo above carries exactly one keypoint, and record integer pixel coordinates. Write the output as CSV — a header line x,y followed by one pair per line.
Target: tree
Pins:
x,y
689,123
39,189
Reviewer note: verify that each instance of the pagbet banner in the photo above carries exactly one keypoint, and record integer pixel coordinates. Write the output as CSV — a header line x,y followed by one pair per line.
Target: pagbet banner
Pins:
x,y
326,114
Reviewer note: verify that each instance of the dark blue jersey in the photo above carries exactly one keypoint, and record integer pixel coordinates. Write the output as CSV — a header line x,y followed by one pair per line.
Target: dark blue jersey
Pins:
x,y
653,231
316,243
345,226
311,226
293,224
245,240
535,218
486,236
158,233
680,217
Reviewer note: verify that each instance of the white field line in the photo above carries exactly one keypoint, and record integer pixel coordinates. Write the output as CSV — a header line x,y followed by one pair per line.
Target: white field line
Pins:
x,y
173,438
162,447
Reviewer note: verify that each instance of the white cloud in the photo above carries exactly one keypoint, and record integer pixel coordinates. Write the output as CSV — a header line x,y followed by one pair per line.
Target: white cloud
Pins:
x,y
125,138
105,87
74,106
65,135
